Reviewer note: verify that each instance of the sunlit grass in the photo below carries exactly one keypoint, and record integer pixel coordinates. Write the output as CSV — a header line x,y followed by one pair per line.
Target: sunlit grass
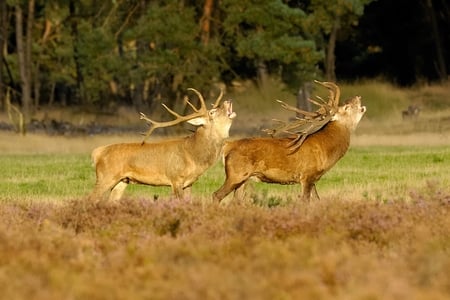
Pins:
x,y
364,172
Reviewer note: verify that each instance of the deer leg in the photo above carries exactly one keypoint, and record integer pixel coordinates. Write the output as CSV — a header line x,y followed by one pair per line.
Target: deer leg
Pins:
x,y
307,188
227,188
316,194
239,192
103,185
117,191
177,190
187,192
99,191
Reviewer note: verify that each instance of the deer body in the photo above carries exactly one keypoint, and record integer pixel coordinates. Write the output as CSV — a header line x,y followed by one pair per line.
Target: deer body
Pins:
x,y
177,163
272,160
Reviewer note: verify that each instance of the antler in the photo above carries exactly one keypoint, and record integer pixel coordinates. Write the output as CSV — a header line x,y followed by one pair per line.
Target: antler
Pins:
x,y
310,122
219,98
202,111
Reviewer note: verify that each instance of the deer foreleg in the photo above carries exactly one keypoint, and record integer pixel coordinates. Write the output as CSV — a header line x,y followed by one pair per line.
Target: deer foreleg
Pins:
x,y
177,189
316,194
307,188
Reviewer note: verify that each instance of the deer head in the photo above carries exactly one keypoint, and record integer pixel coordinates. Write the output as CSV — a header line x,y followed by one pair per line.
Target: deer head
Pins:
x,y
200,117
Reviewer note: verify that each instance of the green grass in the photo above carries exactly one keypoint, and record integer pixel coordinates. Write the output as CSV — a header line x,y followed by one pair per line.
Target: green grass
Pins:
x,y
384,173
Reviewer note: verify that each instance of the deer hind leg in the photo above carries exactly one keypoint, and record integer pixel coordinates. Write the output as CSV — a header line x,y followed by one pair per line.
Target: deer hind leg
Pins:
x,y
240,192
103,187
99,191
230,184
236,176
117,191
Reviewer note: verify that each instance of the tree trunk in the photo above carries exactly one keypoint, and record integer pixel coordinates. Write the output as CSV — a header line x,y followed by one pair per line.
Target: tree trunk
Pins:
x,y
3,35
205,21
441,65
139,89
262,73
28,50
37,87
304,93
330,64
76,53
23,64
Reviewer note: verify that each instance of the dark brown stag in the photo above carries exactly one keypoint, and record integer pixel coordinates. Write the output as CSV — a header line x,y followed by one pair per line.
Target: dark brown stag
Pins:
x,y
314,143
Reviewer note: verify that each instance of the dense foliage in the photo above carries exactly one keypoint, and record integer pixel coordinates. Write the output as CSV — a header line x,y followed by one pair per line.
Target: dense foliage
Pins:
x,y
138,52
104,52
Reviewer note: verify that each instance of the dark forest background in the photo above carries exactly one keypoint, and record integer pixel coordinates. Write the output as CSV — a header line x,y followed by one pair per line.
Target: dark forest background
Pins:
x,y
136,52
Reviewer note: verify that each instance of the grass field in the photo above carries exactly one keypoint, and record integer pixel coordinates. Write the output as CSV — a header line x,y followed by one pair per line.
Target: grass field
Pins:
x,y
377,172
380,231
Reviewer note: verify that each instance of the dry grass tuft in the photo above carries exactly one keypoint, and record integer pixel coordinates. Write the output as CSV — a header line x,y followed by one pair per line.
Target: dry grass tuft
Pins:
x,y
166,249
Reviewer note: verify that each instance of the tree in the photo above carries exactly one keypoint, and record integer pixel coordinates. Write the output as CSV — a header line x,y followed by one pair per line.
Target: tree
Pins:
x,y
205,21
329,18
398,43
441,66
269,34
174,57
24,46
3,38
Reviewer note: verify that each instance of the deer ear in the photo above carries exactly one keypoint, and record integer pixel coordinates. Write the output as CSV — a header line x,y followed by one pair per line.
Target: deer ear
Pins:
x,y
197,121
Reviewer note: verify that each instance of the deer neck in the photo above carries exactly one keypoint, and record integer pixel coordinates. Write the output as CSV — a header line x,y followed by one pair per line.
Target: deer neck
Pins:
x,y
337,137
205,144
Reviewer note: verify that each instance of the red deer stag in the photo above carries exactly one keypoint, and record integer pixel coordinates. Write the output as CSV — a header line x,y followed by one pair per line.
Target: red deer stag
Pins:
x,y
315,143
177,163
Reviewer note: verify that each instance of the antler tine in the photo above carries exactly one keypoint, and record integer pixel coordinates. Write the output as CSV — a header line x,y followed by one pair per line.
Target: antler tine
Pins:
x,y
202,101
217,103
296,109
153,126
202,111
186,100
335,92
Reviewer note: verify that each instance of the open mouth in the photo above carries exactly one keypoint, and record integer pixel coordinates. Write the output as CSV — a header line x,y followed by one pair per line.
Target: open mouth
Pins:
x,y
363,109
230,113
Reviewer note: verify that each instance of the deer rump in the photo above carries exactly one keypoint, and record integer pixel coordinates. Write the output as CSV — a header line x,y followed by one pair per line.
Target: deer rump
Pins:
x,y
271,160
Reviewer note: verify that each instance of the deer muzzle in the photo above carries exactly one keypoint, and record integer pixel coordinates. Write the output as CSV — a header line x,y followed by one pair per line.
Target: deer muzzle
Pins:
x,y
228,105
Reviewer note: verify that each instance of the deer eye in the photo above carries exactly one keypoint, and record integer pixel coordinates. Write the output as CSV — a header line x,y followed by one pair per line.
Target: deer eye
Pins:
x,y
212,112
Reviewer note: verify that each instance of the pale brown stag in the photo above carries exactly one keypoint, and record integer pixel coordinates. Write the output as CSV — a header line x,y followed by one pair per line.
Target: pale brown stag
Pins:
x,y
177,163
314,144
